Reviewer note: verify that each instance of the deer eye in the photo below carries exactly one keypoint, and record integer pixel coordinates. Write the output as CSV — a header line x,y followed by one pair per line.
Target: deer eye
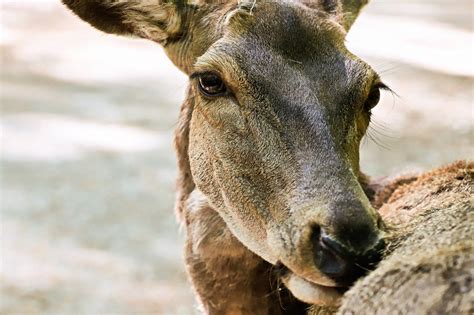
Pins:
x,y
211,85
374,96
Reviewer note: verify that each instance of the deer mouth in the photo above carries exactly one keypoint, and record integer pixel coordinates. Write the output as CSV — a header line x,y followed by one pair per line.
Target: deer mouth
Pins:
x,y
308,291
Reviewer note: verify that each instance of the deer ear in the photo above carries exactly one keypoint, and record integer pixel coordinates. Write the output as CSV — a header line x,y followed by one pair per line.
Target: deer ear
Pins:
x,y
345,11
350,11
180,26
155,20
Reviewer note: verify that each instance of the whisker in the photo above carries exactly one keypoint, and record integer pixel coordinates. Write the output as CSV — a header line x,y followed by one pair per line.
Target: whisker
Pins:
x,y
382,130
392,92
366,269
270,274
390,70
376,139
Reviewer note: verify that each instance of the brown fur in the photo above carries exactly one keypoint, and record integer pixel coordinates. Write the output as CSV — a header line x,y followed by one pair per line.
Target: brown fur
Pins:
x,y
270,169
429,264
227,277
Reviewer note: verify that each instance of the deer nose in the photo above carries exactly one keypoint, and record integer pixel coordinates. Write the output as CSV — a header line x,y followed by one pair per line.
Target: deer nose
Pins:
x,y
341,263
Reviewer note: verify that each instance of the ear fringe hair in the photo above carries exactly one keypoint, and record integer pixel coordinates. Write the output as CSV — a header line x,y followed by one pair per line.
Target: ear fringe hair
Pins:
x,y
152,19
247,5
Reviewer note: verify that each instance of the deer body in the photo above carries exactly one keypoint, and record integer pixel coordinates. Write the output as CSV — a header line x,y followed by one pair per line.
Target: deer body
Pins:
x,y
429,264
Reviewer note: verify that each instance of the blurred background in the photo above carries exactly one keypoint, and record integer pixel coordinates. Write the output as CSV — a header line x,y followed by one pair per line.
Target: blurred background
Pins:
x,y
87,162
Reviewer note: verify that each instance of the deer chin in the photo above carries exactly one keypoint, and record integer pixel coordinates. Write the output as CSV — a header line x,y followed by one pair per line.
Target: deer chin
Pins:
x,y
310,292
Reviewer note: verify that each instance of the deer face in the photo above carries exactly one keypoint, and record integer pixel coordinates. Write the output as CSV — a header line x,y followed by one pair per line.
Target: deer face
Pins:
x,y
279,107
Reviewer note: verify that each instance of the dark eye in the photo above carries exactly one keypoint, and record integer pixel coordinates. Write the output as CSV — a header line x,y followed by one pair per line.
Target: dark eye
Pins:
x,y
211,85
374,96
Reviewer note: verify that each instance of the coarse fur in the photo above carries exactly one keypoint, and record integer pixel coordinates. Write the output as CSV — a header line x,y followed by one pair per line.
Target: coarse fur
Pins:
x,y
428,266
268,171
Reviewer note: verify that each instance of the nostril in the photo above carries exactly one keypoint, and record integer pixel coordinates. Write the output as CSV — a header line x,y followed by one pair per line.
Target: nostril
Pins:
x,y
316,238
335,246
374,254
342,263
315,233
331,264
327,258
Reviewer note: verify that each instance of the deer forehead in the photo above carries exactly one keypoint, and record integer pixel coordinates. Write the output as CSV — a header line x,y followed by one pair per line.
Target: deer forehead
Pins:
x,y
281,24
274,36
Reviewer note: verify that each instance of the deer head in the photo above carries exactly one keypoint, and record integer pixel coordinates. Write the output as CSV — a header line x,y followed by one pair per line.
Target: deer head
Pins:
x,y
279,107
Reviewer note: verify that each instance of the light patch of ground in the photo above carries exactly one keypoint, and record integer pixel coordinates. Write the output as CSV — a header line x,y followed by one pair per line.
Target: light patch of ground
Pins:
x,y
52,137
87,167
433,46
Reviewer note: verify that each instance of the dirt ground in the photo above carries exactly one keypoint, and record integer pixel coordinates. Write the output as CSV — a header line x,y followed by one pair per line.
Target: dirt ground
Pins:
x,y
87,166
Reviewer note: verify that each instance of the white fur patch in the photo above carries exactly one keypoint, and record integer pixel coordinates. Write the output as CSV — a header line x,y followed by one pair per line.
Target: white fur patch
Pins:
x,y
312,293
151,19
